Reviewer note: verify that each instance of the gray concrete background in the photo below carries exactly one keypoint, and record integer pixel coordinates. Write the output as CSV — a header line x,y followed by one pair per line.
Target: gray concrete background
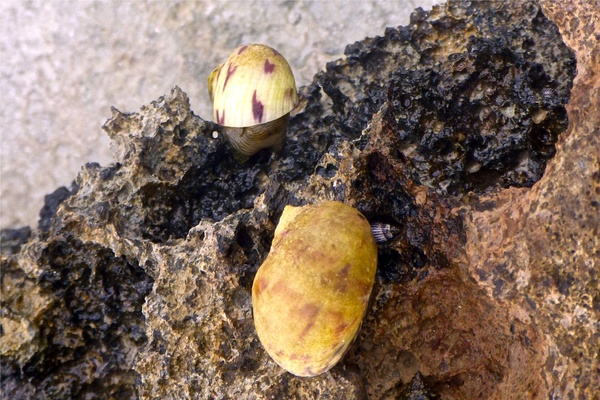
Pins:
x,y
65,63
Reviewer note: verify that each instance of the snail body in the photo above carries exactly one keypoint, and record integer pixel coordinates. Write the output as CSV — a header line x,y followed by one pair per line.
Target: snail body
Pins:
x,y
252,93
311,293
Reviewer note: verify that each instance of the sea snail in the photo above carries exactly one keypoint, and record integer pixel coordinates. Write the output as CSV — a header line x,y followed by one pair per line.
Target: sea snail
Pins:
x,y
383,232
311,293
252,93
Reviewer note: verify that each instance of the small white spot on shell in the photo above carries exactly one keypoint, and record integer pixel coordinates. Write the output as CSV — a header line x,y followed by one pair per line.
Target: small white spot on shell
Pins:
x,y
215,134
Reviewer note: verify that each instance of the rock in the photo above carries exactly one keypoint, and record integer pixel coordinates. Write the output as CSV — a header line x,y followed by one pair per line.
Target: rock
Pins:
x,y
454,130
417,390
11,240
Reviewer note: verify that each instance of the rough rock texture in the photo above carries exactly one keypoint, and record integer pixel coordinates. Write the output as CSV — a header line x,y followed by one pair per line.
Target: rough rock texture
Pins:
x,y
453,129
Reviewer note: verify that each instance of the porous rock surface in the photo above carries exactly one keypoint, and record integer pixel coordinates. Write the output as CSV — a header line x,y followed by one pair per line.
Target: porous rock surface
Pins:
x,y
454,129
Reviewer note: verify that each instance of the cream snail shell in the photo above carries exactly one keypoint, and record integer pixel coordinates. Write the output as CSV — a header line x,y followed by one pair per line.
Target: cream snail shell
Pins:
x,y
252,93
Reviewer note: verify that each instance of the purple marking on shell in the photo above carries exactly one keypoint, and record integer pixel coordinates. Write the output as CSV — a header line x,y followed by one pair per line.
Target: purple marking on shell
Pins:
x,y
241,50
309,313
220,119
257,109
269,67
230,71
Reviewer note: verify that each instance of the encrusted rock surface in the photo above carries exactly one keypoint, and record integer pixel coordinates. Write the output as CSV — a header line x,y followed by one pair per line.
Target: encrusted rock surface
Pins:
x,y
137,282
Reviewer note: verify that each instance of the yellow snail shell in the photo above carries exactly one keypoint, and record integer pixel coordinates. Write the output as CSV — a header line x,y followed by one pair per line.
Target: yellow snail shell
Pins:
x,y
311,293
253,92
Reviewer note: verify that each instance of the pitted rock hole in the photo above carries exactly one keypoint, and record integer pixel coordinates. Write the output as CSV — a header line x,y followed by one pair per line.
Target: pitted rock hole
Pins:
x,y
487,117
248,252
172,210
399,266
